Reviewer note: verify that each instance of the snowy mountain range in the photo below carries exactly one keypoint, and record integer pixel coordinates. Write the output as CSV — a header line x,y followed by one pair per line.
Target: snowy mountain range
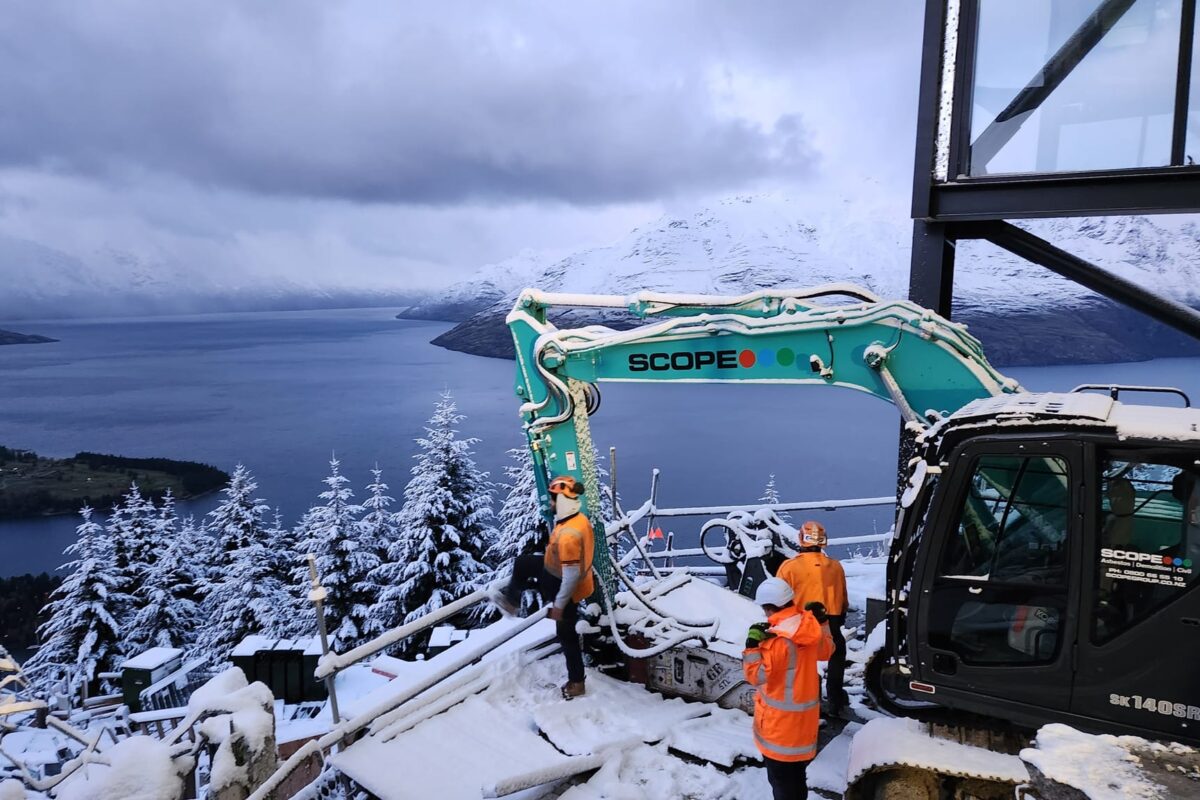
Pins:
x,y
1023,313
42,282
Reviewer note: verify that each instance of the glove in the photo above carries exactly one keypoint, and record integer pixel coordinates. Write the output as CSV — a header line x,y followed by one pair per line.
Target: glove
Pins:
x,y
817,609
757,634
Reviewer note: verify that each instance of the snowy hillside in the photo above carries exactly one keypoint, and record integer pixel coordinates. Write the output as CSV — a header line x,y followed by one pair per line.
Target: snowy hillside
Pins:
x,y
1023,313
41,281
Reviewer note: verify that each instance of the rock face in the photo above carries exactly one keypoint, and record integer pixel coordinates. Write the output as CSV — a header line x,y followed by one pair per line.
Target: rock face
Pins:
x,y
11,337
1023,314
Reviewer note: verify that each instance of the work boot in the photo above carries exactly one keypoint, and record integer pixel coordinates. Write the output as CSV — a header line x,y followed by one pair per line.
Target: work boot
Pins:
x,y
500,600
573,689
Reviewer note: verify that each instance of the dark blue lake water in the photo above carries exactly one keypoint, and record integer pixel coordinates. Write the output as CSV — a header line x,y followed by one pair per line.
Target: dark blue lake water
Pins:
x,y
281,392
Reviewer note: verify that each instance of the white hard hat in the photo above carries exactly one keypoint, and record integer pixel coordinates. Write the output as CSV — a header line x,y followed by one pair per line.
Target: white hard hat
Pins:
x,y
774,592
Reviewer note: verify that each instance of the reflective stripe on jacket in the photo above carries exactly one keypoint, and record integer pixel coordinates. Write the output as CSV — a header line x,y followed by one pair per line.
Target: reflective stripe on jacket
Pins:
x,y
571,542
783,668
816,576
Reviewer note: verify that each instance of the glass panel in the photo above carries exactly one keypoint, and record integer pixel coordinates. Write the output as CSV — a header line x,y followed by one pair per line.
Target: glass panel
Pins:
x,y
1149,540
1013,527
1112,110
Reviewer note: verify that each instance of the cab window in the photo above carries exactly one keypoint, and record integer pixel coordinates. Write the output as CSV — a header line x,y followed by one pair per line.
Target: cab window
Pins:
x,y
999,594
1148,538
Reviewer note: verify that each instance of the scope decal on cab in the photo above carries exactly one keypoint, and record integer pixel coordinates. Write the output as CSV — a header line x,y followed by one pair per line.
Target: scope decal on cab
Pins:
x,y
685,361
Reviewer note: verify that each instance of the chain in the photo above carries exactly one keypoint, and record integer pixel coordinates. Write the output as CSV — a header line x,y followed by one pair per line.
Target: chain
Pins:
x,y
601,562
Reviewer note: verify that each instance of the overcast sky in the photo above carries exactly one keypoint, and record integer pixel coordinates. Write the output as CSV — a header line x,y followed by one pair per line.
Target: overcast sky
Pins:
x,y
408,143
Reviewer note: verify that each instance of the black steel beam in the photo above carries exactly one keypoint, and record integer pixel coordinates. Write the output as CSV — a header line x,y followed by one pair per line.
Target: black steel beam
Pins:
x,y
1033,248
928,105
1045,81
1167,190
931,273
1183,80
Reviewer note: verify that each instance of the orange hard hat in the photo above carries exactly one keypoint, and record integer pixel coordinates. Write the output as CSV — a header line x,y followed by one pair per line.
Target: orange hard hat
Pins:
x,y
813,533
566,486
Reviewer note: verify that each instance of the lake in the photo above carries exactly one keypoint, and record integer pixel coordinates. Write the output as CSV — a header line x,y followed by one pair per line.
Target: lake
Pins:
x,y
284,391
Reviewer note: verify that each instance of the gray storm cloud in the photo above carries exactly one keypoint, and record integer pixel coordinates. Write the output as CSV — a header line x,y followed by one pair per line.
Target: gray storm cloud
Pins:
x,y
212,147
355,102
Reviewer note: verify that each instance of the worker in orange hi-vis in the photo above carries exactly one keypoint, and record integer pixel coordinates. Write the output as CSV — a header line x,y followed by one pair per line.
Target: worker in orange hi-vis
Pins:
x,y
563,576
815,576
780,661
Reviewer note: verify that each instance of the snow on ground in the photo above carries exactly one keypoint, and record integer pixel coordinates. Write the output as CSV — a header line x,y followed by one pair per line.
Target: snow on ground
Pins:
x,y
828,770
1102,767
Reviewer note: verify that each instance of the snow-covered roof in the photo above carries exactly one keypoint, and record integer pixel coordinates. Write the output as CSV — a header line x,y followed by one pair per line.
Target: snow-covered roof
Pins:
x,y
254,643
153,658
1128,421
441,636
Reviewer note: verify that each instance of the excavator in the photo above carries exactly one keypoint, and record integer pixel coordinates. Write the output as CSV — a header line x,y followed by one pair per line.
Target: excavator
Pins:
x,y
1045,562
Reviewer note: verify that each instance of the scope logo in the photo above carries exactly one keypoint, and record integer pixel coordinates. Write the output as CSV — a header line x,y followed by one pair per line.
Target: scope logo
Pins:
x,y
717,359
1150,558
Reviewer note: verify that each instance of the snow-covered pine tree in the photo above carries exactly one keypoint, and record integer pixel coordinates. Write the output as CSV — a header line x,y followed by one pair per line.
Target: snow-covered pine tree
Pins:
x,y
522,526
379,524
166,600
770,497
248,600
345,559
296,616
131,531
444,527
235,523
82,635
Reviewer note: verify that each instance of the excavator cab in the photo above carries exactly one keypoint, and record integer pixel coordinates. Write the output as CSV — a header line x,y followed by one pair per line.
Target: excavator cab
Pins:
x,y
1054,566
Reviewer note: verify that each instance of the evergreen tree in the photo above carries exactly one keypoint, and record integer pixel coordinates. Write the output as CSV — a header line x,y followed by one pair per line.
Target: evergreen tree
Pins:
x,y
379,524
131,530
444,527
770,497
234,524
522,528
82,635
296,615
345,559
166,600
248,600
243,594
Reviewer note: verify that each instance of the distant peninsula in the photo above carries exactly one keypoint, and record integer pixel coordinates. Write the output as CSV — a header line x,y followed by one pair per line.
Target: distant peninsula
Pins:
x,y
12,337
31,485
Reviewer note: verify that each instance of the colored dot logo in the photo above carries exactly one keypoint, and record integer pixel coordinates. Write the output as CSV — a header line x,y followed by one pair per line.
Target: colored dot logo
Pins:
x,y
784,357
1168,561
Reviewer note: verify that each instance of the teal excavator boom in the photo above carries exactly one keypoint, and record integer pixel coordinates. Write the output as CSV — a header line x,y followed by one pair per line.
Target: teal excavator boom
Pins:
x,y
838,334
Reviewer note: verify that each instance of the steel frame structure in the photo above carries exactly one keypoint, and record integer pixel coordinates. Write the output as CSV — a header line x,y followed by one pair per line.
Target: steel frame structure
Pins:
x,y
949,204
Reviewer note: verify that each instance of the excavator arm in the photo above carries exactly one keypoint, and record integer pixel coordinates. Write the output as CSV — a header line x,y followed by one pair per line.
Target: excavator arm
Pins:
x,y
893,349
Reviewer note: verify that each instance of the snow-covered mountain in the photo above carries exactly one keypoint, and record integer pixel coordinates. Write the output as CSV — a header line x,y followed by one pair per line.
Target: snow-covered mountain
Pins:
x,y
1023,313
41,281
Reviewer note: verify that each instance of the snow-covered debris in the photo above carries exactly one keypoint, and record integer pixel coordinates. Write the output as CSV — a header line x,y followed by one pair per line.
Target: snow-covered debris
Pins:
x,y
12,790
139,768
722,737
651,773
1111,767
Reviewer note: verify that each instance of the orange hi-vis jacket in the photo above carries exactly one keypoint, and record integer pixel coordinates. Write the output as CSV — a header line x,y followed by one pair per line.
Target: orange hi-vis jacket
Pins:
x,y
783,667
816,576
571,542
